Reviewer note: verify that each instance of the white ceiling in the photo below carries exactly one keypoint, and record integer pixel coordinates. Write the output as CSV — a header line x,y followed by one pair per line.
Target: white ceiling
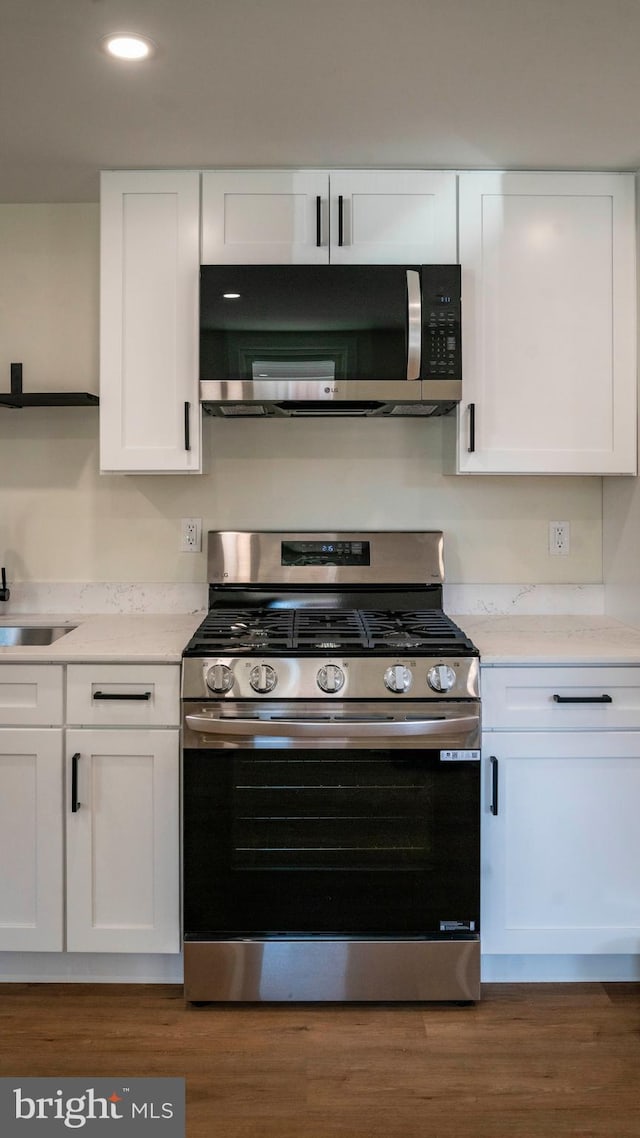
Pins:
x,y
329,83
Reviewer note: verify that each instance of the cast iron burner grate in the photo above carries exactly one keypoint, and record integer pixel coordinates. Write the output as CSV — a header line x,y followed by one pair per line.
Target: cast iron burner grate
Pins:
x,y
354,631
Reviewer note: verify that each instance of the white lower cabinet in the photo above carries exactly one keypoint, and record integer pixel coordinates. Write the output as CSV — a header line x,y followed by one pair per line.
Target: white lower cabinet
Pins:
x,y
123,854
561,842
90,854
31,881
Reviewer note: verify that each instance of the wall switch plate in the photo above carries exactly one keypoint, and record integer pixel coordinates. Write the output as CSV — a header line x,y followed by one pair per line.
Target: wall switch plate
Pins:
x,y
559,538
191,535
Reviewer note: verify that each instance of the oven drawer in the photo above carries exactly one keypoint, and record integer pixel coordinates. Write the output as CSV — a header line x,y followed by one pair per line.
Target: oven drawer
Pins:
x,y
571,698
30,695
114,695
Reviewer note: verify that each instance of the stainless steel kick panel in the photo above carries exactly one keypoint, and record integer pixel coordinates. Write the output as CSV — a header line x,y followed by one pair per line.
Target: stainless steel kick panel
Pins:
x,y
325,969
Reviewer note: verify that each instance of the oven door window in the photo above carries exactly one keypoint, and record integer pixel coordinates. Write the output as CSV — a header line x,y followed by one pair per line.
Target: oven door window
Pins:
x,y
329,842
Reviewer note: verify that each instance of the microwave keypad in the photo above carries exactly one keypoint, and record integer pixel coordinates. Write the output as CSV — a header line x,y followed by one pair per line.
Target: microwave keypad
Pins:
x,y
441,322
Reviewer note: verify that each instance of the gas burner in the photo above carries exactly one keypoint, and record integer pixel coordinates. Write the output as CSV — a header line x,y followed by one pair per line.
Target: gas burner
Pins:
x,y
401,640
327,644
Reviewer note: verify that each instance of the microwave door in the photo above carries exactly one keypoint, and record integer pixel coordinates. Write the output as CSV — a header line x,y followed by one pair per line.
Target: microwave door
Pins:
x,y
312,331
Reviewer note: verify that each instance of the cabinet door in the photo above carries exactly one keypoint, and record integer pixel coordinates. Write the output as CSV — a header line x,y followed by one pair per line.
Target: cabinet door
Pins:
x,y
560,858
149,398
393,217
548,280
31,840
270,217
123,841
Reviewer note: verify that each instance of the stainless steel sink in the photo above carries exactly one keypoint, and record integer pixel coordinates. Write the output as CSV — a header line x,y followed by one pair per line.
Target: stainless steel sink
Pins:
x,y
23,634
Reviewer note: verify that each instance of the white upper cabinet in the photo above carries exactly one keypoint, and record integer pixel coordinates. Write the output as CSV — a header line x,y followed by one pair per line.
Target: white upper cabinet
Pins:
x,y
149,406
267,217
393,217
320,217
548,282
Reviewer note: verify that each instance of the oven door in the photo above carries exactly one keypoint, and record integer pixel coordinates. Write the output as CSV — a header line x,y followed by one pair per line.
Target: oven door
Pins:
x,y
352,822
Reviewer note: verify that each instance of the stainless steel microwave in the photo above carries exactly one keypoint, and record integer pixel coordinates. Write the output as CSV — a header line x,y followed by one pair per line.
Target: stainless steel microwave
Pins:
x,y
330,339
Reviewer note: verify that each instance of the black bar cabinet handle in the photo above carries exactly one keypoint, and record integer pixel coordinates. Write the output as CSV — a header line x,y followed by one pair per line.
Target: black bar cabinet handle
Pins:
x,y
318,221
121,695
472,428
582,699
75,805
16,379
494,785
187,434
340,220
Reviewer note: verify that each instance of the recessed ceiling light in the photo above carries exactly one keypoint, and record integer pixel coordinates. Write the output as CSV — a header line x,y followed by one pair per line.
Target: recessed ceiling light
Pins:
x,y
132,48
231,296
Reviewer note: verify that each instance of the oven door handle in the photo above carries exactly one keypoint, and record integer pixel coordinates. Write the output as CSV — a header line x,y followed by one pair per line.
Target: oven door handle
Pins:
x,y
331,729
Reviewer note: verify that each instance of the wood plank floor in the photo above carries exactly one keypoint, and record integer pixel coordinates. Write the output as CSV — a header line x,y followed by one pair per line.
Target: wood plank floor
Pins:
x,y
528,1060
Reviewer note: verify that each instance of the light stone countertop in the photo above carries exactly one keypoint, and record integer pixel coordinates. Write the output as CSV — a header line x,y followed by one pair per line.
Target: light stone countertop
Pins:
x,y
127,638
159,638
551,639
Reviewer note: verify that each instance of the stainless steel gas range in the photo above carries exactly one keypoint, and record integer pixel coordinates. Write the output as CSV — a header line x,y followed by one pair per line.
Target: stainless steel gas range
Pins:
x,y
331,775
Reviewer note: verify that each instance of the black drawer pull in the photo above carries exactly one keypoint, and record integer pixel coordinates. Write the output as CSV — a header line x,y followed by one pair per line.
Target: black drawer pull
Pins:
x,y
318,220
340,220
494,785
187,424
582,699
75,805
121,695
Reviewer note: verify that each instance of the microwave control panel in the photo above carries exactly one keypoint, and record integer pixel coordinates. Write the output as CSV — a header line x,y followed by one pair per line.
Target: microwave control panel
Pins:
x,y
441,348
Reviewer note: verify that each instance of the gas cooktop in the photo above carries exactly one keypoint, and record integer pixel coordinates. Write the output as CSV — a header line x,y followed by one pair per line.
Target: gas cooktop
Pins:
x,y
272,631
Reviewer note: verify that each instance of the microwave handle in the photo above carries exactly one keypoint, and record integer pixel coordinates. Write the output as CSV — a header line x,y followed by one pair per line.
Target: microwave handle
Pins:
x,y
414,324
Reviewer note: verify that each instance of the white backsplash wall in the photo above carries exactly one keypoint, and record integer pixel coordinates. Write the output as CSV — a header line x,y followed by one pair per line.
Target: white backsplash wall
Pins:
x,y
60,520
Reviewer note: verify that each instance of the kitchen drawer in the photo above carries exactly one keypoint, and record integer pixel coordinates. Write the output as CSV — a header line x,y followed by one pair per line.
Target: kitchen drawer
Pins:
x,y
30,695
118,695
523,698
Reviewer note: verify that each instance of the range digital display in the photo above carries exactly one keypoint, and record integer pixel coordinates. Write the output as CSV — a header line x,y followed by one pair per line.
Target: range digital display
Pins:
x,y
325,553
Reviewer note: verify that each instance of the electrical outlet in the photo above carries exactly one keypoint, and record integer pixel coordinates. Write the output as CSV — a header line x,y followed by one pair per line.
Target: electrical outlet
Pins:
x,y
191,535
559,538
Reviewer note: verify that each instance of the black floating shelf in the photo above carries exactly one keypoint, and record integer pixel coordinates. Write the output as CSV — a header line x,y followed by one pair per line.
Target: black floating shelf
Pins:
x,y
19,398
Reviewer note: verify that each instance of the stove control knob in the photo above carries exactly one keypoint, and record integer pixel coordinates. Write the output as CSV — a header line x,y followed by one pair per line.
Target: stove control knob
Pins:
x,y
441,677
263,678
398,678
330,679
220,679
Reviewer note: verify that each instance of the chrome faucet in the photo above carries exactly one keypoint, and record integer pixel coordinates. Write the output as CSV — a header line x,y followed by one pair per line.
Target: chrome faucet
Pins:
x,y
5,592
